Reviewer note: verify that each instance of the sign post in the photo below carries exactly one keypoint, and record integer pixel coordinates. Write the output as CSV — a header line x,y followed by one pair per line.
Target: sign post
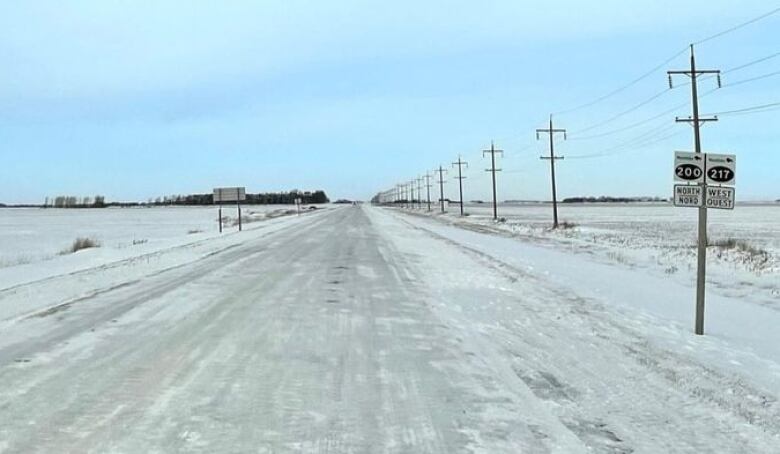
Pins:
x,y
236,194
704,175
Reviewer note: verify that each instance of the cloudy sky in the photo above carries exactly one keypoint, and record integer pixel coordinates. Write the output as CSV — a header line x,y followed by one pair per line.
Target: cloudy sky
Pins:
x,y
136,99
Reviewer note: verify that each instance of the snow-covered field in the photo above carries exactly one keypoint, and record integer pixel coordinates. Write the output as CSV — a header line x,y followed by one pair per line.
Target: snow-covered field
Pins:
x,y
32,242
743,261
29,235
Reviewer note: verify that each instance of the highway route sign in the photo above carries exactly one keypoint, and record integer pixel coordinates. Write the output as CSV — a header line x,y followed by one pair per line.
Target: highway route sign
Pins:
x,y
688,167
721,168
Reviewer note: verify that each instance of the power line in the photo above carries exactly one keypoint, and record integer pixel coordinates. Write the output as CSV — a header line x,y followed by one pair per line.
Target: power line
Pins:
x,y
658,95
758,108
739,26
623,113
751,63
748,110
632,125
624,87
757,111
667,61
646,120
627,147
752,79
650,134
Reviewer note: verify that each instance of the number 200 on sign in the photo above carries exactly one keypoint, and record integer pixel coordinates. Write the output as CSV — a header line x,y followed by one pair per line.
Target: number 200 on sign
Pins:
x,y
688,172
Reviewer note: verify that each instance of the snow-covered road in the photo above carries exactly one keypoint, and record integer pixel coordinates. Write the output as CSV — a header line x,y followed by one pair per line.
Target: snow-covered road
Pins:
x,y
361,330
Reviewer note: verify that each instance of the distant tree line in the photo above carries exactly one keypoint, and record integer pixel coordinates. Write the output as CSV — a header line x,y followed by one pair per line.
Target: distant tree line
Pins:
x,y
263,198
605,199
65,201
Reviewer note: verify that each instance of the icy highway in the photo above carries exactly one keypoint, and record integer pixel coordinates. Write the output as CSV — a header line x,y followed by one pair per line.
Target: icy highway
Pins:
x,y
359,330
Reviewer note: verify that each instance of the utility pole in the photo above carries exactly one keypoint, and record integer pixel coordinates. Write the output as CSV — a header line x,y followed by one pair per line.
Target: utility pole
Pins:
x,y
493,170
441,187
697,121
460,177
419,193
411,188
552,131
428,187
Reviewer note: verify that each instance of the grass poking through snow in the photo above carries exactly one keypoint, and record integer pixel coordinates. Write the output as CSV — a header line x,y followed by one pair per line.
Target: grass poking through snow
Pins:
x,y
80,244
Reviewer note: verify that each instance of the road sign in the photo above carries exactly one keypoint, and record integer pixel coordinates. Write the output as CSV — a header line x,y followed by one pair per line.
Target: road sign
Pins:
x,y
721,198
688,167
721,168
688,195
229,195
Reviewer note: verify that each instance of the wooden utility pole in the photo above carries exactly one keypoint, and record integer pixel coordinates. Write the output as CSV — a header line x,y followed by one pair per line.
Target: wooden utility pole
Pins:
x,y
411,189
441,187
460,177
428,187
696,121
552,131
419,192
493,171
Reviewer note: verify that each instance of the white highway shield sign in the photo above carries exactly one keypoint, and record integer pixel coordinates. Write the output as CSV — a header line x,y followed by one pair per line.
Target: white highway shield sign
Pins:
x,y
688,167
720,197
721,168
688,195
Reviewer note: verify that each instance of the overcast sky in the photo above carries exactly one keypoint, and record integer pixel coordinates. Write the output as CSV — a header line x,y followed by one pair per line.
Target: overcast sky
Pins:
x,y
135,99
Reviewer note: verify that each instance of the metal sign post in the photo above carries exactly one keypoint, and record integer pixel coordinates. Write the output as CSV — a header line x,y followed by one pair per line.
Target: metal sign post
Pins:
x,y
238,205
236,194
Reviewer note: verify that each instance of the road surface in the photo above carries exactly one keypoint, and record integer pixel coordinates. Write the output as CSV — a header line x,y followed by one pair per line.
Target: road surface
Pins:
x,y
358,331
